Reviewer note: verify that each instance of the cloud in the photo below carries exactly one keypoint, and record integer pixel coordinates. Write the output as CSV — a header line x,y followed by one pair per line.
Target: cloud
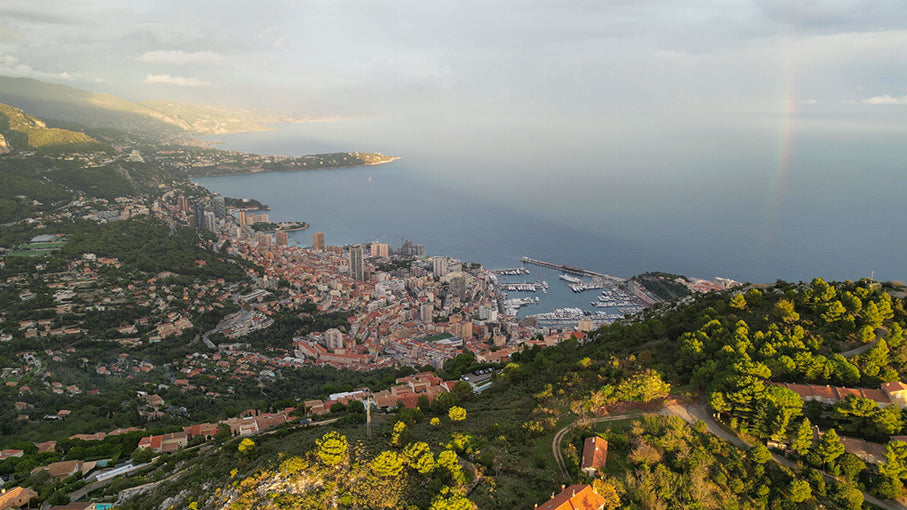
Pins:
x,y
179,57
41,13
10,66
838,16
807,101
886,99
179,81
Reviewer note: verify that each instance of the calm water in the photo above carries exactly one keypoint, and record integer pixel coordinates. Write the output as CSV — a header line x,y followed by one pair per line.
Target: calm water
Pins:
x,y
753,199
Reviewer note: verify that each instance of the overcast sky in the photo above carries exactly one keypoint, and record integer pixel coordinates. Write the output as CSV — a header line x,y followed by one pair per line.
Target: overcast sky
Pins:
x,y
383,57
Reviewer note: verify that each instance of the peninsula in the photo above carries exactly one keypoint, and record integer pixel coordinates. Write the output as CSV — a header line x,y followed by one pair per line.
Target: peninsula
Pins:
x,y
191,161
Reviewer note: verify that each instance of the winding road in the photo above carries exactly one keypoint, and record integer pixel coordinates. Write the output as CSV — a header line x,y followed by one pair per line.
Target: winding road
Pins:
x,y
691,414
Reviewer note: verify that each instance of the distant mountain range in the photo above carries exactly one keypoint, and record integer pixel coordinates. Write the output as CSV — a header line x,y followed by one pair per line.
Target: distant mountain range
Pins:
x,y
67,104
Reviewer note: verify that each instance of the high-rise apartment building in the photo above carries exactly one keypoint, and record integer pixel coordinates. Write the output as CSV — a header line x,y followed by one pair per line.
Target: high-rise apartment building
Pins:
x,y
438,266
220,209
283,239
210,222
333,339
425,312
380,250
318,241
199,214
183,204
357,263
243,221
458,286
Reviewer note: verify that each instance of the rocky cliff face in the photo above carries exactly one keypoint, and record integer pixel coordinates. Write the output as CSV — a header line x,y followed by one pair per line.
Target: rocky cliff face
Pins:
x,y
4,147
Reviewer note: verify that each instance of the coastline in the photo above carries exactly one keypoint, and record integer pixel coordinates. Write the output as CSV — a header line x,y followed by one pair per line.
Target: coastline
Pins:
x,y
260,169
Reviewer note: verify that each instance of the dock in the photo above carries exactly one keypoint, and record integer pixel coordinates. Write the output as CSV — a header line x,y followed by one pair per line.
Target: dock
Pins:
x,y
572,270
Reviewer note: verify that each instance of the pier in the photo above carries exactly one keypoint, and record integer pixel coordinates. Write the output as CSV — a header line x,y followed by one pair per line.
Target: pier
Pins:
x,y
573,270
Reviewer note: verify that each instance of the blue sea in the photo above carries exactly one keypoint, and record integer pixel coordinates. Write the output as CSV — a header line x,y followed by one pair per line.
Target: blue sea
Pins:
x,y
752,198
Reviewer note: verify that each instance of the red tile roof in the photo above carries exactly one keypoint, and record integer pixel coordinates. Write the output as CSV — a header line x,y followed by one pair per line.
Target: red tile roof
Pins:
x,y
575,497
595,453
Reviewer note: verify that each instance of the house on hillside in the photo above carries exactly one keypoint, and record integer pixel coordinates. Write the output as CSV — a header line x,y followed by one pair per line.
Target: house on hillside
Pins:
x,y
574,497
16,498
871,453
63,469
595,454
897,392
830,395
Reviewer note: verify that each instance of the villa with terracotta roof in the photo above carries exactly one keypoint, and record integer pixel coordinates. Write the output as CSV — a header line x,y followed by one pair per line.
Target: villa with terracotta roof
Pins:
x,y
16,498
575,497
897,392
63,469
595,454
833,394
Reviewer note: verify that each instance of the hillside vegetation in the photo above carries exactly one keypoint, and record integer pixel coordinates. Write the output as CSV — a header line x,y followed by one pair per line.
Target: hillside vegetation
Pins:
x,y
494,450
26,132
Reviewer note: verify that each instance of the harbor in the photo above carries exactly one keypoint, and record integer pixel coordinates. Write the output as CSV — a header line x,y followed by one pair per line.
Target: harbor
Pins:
x,y
572,270
512,306
570,318
616,297
525,287
514,271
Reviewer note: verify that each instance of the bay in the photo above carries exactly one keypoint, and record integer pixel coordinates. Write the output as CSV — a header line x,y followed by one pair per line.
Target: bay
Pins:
x,y
748,198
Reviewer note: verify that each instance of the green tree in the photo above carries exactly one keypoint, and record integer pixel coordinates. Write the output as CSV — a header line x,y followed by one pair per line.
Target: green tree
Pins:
x,y
223,433
895,465
401,434
387,464
850,465
448,460
456,413
855,413
784,310
450,499
142,455
871,315
799,490
821,291
645,386
829,447
875,359
759,454
419,457
246,446
847,495
332,448
834,311
293,466
895,335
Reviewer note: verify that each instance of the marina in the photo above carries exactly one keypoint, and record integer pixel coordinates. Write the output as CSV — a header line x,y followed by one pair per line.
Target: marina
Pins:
x,y
614,297
525,287
584,286
515,271
512,306
570,317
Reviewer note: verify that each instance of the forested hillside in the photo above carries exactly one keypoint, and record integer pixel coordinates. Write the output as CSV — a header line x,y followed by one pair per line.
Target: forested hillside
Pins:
x,y
725,350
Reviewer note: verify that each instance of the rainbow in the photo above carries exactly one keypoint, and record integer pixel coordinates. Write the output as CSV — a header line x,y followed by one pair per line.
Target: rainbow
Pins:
x,y
780,179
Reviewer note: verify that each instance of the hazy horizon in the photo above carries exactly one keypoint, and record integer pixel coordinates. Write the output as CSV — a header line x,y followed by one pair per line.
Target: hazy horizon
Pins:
x,y
362,58
781,121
